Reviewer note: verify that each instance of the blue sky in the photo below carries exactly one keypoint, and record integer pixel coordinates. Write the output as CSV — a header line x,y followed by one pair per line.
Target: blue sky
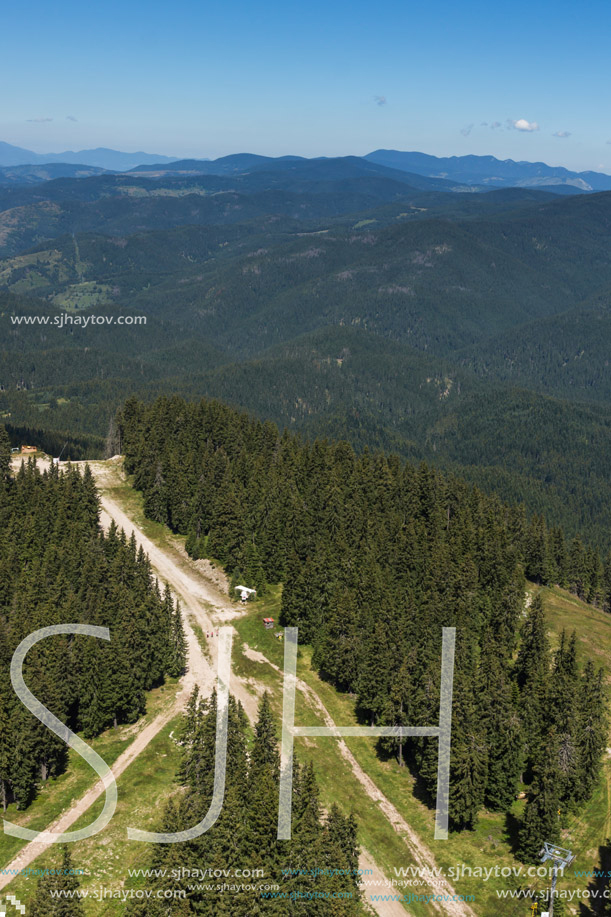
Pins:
x,y
316,78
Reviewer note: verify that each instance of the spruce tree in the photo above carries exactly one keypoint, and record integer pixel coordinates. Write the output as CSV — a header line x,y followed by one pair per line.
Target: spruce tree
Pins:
x,y
541,819
591,738
496,701
532,673
263,789
468,762
5,454
56,892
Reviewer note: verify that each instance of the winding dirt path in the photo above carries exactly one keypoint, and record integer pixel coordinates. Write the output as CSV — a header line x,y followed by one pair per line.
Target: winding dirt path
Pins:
x,y
422,855
210,607
199,671
198,598
203,602
35,848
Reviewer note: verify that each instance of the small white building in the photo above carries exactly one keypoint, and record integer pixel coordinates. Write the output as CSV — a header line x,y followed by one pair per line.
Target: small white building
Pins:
x,y
245,592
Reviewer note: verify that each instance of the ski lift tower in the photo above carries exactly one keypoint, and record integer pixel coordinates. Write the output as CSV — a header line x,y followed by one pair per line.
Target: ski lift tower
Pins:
x,y
57,460
560,858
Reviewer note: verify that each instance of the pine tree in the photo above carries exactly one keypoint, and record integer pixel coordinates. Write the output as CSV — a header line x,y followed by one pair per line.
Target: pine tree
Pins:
x,y
562,714
496,703
305,854
227,539
469,760
63,880
532,673
606,603
592,730
5,454
254,574
263,788
542,812
5,748
178,644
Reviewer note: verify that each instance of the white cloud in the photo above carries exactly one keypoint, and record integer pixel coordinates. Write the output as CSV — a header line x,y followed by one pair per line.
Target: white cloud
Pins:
x,y
71,118
39,120
523,125
380,100
465,131
562,134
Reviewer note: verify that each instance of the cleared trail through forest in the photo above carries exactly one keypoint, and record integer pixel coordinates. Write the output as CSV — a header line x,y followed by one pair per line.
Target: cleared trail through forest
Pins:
x,y
204,601
200,671
192,588
210,608
422,856
34,849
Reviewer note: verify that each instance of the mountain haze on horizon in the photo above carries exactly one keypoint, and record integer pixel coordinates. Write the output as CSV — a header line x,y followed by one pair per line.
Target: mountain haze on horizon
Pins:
x,y
477,172
489,171
101,157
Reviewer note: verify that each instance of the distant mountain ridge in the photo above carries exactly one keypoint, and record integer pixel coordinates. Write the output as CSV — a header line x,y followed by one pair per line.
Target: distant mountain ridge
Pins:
x,y
321,168
420,170
233,164
489,171
101,158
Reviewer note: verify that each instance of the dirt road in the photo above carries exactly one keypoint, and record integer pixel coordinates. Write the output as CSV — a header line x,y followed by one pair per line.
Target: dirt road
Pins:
x,y
422,856
209,607
204,603
199,672
199,599
32,850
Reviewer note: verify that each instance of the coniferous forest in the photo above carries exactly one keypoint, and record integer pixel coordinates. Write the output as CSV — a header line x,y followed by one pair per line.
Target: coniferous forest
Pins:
x,y
304,460
56,566
435,324
375,557
314,873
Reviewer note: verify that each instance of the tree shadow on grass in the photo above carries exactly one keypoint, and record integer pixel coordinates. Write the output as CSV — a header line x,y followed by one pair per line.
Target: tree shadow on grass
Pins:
x,y
512,831
594,906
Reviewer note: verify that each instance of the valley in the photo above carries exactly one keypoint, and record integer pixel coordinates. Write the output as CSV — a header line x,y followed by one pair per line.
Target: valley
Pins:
x,y
434,355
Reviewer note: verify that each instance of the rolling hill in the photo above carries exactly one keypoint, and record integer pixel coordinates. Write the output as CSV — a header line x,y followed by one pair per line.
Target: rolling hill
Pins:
x,y
487,170
470,330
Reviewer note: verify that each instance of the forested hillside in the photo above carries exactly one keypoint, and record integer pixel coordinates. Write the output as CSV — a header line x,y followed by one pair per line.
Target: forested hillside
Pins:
x,y
375,557
565,355
332,296
57,567
314,873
